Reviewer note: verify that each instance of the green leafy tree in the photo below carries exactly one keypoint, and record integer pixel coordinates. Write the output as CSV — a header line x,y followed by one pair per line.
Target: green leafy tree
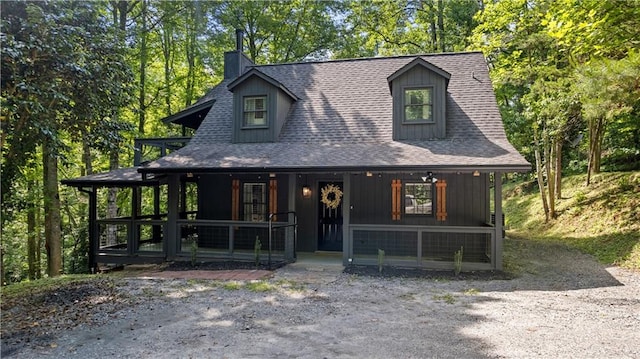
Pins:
x,y
58,69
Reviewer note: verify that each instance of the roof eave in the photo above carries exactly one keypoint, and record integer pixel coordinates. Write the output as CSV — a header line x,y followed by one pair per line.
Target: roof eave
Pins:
x,y
314,169
189,111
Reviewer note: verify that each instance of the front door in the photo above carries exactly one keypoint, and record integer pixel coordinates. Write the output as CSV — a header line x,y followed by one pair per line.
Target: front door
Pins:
x,y
330,213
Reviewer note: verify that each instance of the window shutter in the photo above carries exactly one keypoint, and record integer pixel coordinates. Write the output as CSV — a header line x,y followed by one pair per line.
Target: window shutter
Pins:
x,y
396,199
273,197
441,188
235,200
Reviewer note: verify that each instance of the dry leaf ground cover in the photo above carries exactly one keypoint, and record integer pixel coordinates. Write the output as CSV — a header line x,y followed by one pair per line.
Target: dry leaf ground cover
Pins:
x,y
560,303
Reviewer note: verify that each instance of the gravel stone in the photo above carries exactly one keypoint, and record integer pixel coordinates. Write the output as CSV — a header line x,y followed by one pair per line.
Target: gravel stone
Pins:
x,y
558,303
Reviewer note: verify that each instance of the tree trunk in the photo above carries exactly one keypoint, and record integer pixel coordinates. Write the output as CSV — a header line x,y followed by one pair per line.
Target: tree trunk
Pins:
x,y
86,158
190,52
548,165
540,175
52,230
596,136
558,180
143,69
112,205
432,26
31,233
441,24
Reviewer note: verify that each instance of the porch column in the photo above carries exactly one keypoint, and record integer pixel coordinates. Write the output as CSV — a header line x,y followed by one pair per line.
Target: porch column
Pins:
x,y
171,237
497,185
346,218
289,244
93,230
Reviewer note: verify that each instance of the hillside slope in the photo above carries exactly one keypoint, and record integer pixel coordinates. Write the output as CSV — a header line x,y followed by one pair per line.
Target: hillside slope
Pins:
x,y
602,219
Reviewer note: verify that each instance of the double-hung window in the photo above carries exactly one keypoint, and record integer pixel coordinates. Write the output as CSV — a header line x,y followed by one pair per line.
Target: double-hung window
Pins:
x,y
255,111
418,104
418,198
254,201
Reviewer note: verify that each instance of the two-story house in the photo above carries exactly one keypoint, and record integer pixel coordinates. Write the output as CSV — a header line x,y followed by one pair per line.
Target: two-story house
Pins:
x,y
403,154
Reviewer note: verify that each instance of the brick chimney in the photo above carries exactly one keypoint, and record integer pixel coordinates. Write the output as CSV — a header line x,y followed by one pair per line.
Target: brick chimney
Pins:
x,y
235,62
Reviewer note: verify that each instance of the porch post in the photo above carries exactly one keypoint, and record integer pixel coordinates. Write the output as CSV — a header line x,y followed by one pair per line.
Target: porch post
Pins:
x,y
93,230
289,244
171,237
497,185
346,215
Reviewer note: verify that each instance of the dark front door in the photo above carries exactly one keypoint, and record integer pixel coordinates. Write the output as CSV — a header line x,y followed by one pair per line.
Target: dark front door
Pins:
x,y
330,213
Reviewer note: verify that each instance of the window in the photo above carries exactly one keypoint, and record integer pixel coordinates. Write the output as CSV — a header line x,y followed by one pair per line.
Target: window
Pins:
x,y
254,202
418,198
255,111
418,105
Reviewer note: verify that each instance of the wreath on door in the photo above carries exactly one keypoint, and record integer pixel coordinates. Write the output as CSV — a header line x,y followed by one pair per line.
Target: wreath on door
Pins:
x,y
331,196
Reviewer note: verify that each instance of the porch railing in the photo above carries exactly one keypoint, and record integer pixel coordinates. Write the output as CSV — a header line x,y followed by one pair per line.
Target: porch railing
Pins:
x,y
149,149
423,246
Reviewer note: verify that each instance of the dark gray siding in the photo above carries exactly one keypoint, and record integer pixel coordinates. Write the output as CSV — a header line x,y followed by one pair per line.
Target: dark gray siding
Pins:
x,y
234,64
467,200
278,105
416,77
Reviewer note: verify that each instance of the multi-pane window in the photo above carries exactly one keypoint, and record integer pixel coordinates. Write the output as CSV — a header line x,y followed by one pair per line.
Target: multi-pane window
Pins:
x,y
254,202
418,198
255,111
418,104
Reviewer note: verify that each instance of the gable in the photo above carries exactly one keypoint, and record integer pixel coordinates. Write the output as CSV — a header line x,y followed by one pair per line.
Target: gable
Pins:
x,y
274,103
419,77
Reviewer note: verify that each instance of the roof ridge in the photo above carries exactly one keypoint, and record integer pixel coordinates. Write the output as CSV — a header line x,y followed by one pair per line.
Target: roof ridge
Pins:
x,y
368,58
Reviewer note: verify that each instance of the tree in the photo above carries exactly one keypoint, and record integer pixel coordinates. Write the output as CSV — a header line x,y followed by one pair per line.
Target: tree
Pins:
x,y
54,52
610,91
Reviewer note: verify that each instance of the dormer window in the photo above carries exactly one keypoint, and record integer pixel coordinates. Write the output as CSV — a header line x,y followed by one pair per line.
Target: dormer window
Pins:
x,y
255,111
418,105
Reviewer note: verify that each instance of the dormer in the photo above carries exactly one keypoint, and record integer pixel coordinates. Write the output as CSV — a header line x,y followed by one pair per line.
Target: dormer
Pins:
x,y
260,107
419,91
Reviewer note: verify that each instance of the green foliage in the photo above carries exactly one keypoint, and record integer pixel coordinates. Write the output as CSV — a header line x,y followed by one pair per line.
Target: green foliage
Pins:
x,y
257,249
381,255
457,261
601,219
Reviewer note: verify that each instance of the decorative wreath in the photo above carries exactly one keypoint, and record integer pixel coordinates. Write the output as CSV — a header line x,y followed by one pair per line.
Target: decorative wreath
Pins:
x,y
331,196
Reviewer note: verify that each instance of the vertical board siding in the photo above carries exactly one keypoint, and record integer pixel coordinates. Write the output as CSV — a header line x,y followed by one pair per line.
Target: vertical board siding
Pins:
x,y
253,87
278,105
419,76
466,200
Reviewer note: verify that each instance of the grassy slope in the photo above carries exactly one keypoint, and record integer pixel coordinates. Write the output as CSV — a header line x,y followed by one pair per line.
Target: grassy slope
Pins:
x,y
602,219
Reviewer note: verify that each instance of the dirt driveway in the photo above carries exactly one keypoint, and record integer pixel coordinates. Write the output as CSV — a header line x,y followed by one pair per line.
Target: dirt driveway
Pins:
x,y
561,304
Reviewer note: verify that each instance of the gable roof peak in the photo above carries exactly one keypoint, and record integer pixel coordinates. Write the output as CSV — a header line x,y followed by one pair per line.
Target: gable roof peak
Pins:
x,y
418,61
253,71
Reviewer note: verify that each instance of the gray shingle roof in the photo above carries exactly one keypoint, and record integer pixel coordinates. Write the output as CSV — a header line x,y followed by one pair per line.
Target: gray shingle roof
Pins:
x,y
343,119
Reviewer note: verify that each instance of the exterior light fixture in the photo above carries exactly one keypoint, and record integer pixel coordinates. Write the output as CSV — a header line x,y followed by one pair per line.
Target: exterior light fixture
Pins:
x,y
306,191
369,174
476,173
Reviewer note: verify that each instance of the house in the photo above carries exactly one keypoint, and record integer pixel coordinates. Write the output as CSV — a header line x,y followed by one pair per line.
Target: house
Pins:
x,y
403,154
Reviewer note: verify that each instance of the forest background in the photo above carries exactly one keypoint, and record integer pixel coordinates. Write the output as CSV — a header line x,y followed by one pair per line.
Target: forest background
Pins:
x,y
81,80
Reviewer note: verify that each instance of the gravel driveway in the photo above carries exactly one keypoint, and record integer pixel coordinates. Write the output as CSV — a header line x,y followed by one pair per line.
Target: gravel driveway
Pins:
x,y
561,304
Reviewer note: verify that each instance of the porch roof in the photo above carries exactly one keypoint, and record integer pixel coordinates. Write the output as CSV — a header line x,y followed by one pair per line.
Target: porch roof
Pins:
x,y
122,177
328,156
